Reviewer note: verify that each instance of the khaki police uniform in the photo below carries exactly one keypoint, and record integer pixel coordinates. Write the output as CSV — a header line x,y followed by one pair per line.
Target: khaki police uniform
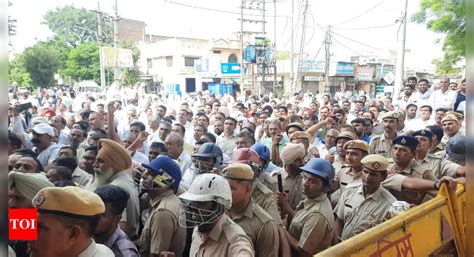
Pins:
x,y
292,185
225,239
379,144
347,174
265,198
359,212
71,200
344,177
313,224
268,181
338,162
394,183
261,229
439,165
257,224
162,231
440,149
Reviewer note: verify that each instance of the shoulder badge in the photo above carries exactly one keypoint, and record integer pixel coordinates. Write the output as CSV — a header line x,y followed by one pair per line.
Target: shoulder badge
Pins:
x,y
39,199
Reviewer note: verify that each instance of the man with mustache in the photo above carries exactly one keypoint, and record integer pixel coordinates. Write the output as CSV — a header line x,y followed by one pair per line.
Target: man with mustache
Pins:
x,y
113,166
366,199
311,223
42,140
162,231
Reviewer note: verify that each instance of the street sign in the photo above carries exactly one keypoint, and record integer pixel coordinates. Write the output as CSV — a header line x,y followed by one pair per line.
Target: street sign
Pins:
x,y
230,68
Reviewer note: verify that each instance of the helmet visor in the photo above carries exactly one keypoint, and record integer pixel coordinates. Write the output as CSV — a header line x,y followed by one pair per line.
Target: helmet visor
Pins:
x,y
190,216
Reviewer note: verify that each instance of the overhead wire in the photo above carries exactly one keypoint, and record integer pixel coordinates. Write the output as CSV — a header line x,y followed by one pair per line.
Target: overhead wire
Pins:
x,y
343,45
361,14
219,10
364,28
358,42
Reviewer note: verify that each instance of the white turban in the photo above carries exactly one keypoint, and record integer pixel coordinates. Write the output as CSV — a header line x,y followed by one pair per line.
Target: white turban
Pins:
x,y
29,184
291,152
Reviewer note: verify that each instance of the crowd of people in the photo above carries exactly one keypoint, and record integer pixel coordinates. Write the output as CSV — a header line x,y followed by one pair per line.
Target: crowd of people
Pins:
x,y
153,175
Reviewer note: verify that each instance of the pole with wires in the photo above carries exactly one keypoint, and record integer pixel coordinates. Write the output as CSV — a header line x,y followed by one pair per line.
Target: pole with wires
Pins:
x,y
327,44
400,64
301,50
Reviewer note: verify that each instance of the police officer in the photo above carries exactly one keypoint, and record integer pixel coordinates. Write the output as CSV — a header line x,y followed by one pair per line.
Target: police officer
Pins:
x,y
364,205
215,234
67,217
341,139
382,144
404,148
451,127
162,231
352,171
456,151
257,223
261,192
304,138
264,154
438,164
311,228
207,159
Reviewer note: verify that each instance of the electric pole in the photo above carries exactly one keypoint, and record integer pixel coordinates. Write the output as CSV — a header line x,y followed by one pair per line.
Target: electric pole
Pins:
x,y
99,39
327,44
301,50
116,40
400,64
292,46
275,82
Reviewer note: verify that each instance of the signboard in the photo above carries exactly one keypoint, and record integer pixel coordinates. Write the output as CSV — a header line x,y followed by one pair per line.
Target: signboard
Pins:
x,y
313,78
230,68
114,57
345,68
383,70
312,66
250,54
365,73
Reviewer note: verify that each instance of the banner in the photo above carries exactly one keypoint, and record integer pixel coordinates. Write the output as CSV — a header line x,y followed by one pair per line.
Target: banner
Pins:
x,y
114,57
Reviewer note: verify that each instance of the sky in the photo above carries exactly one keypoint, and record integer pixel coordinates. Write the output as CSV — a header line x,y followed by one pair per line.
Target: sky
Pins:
x,y
350,21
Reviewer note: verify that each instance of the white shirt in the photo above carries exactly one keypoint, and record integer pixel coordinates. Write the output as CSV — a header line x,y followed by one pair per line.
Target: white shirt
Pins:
x,y
49,154
443,100
184,161
421,99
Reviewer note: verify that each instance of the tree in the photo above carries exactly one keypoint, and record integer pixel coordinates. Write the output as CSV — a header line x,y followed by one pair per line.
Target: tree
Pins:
x,y
446,17
18,74
73,26
83,62
131,75
41,62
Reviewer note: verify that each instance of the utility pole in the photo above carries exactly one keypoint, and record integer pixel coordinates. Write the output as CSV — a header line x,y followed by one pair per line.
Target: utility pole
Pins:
x,y
327,44
264,52
400,64
116,40
303,32
242,66
248,10
99,39
292,46
275,82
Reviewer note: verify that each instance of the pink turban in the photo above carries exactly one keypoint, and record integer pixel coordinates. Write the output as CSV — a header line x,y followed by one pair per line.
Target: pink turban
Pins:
x,y
291,152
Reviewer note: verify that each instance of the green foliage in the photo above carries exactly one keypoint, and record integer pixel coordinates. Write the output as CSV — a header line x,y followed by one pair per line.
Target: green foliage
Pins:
x,y
73,26
131,75
83,63
446,17
17,72
41,62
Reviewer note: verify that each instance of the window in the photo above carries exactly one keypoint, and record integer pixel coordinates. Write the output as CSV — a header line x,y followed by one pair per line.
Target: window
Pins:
x,y
149,63
232,58
216,51
189,61
169,61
